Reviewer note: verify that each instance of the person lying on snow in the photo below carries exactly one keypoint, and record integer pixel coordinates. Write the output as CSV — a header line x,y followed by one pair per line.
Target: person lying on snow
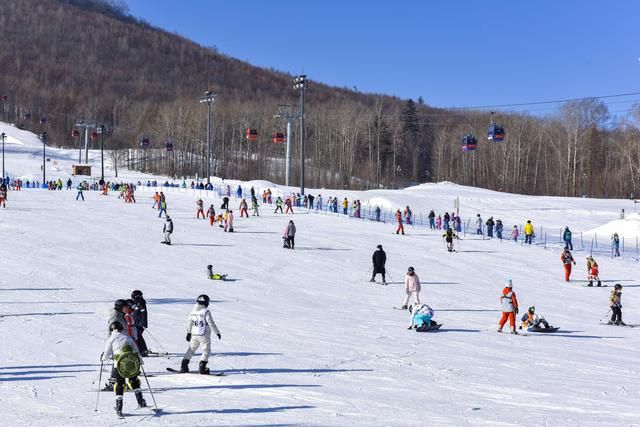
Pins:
x,y
531,319
214,276
421,315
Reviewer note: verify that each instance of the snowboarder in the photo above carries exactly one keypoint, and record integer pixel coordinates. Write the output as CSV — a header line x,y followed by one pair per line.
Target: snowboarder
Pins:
x,y
399,219
411,286
290,234
211,213
379,259
528,232
421,315
592,271
200,206
167,229
199,328
567,260
139,307
509,304
615,300
566,237
615,244
531,320
449,235
214,276
123,350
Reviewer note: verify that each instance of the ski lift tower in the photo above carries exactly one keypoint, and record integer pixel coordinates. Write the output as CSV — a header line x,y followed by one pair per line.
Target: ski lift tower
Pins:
x,y
86,125
284,112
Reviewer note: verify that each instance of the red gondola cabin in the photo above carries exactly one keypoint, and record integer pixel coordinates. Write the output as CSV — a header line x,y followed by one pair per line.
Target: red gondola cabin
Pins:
x,y
252,134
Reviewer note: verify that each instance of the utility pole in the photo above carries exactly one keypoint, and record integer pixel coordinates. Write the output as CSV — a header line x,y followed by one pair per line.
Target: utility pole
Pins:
x,y
44,157
102,131
208,99
3,136
284,112
300,83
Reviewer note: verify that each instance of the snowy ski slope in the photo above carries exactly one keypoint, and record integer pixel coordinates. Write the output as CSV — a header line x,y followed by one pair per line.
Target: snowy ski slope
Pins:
x,y
306,340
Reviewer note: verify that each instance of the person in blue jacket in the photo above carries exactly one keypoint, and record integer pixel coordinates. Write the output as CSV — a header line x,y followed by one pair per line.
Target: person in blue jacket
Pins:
x,y
566,236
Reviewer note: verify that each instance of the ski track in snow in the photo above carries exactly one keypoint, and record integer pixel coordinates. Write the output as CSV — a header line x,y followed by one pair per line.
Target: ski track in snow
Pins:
x,y
306,340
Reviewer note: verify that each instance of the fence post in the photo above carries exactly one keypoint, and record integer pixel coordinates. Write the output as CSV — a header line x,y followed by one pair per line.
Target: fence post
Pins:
x,y
622,244
545,240
581,241
596,239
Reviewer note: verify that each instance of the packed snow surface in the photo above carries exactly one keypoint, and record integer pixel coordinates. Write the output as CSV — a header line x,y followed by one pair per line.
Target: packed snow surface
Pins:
x,y
306,339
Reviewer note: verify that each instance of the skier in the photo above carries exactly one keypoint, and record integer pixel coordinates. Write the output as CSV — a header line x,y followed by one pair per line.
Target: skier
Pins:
x,y
449,235
439,223
290,234
515,233
156,201
528,232
567,260
243,208
200,206
592,271
531,320
163,208
377,212
256,207
509,307
379,259
225,203
167,229
3,194
407,215
479,225
69,184
411,286
499,228
432,222
139,307
421,315
239,192
129,321
490,223
80,189
228,223
120,347
445,220
310,200
566,236
615,244
199,328
399,219
616,307
287,203
116,314
211,213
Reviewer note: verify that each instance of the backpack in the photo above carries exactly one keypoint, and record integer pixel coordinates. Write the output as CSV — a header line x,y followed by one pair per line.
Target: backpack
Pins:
x,y
128,363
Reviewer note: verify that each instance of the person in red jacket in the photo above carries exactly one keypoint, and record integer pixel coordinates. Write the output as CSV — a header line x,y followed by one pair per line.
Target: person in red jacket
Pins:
x,y
400,228
567,260
509,307
200,207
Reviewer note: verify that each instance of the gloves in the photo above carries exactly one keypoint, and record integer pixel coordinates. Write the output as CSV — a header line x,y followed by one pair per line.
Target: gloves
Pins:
x,y
520,327
219,336
188,337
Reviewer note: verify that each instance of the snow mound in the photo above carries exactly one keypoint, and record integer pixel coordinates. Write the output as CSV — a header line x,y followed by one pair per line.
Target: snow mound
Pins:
x,y
628,227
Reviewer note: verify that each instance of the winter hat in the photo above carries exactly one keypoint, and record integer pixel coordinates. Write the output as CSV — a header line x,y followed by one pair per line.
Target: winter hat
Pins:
x,y
379,246
509,283
532,309
410,270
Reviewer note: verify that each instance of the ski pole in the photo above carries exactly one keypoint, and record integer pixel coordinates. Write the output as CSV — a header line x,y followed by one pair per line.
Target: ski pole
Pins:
x,y
605,316
367,273
390,278
149,386
99,383
157,342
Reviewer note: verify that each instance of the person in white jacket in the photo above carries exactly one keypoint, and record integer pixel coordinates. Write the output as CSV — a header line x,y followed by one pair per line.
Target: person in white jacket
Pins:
x,y
199,330
411,286
120,345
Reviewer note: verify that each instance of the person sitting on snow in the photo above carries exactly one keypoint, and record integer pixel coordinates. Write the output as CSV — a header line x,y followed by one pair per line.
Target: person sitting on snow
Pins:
x,y
421,315
214,276
531,319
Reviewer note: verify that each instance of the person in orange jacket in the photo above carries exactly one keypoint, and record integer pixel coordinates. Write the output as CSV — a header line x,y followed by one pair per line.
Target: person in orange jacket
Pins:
x,y
156,201
509,307
399,219
567,260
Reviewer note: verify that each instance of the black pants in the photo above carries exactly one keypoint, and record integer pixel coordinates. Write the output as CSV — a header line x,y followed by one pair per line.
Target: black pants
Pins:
x,y
134,382
141,343
616,317
376,271
291,242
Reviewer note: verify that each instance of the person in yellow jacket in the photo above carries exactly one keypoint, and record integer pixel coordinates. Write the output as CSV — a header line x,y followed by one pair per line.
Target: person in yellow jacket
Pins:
x,y
345,206
528,232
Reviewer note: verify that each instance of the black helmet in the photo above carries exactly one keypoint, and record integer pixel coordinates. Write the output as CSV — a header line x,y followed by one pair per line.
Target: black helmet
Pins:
x,y
203,300
379,246
410,270
115,326
618,286
120,303
136,294
209,267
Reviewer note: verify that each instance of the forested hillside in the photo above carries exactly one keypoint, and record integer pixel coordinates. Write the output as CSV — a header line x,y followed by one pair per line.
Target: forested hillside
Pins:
x,y
66,60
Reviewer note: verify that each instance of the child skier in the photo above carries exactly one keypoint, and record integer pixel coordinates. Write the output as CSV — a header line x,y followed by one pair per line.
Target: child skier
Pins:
x,y
411,286
567,260
515,233
199,329
167,230
120,347
449,235
400,228
509,304
200,207
592,271
615,303
211,213
139,307
243,208
228,223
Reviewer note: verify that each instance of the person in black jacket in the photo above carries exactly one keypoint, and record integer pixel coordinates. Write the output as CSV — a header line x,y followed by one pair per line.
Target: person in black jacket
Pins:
x,y
379,259
139,308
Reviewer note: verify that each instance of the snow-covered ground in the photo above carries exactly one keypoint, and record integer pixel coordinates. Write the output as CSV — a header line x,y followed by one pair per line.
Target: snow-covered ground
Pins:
x,y
306,340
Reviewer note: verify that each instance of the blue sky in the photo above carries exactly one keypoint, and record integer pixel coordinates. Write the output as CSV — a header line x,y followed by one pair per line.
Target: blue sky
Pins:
x,y
452,53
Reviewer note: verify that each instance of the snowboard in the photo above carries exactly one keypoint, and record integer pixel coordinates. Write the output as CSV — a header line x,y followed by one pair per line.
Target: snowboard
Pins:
x,y
430,328
399,308
177,371
222,277
623,326
544,330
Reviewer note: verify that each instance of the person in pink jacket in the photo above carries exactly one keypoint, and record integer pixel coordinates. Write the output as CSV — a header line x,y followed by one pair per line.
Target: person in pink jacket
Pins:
x,y
411,285
228,225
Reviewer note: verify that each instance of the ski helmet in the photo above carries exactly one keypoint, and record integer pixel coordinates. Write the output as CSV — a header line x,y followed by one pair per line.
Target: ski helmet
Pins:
x,y
209,267
618,286
532,309
509,283
410,270
168,218
379,246
119,304
116,326
203,300
136,294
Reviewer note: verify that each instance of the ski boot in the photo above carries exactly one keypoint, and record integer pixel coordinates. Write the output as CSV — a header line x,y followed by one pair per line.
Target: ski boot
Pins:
x,y
514,332
499,330
184,368
591,283
141,402
109,385
610,322
203,368
599,283
404,307
119,406
372,280
622,323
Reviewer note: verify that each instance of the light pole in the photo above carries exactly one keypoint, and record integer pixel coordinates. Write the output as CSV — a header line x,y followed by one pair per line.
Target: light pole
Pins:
x,y
3,136
286,113
102,129
300,83
208,99
44,157
4,99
